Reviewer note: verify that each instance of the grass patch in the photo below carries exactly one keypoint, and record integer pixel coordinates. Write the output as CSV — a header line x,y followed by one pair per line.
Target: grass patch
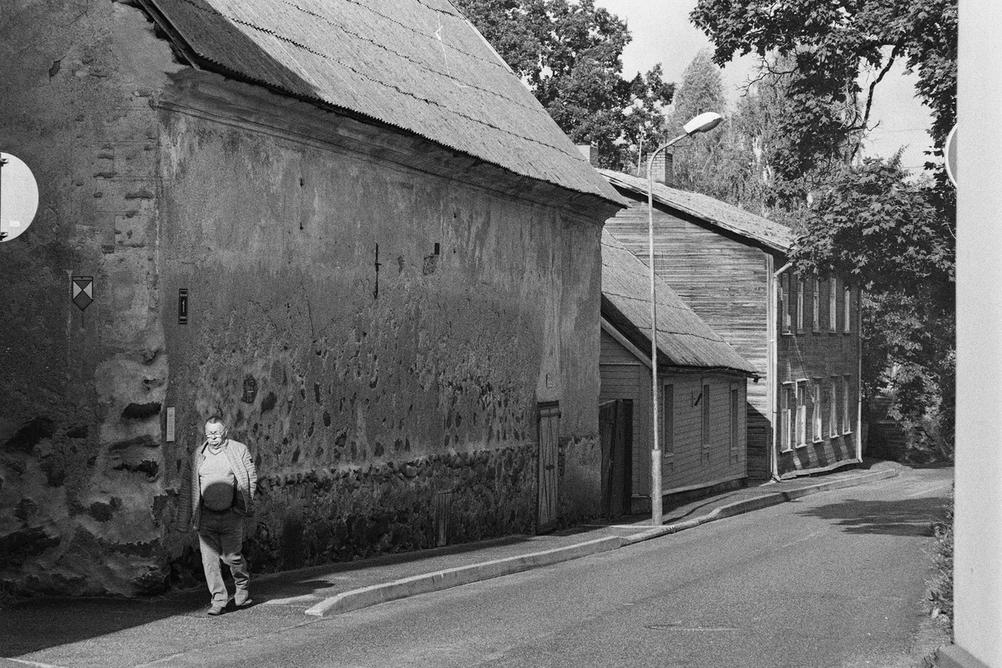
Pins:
x,y
939,595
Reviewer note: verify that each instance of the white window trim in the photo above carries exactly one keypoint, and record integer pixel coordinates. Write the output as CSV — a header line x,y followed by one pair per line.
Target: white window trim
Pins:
x,y
705,418
847,308
833,408
847,404
833,303
786,320
734,421
816,305
669,419
800,305
801,432
787,411
817,416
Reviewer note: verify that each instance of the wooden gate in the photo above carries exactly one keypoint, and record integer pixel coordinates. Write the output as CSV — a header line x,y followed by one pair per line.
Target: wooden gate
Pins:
x,y
549,434
615,420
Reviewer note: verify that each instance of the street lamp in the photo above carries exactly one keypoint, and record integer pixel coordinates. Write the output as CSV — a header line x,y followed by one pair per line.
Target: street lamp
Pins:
x,y
702,123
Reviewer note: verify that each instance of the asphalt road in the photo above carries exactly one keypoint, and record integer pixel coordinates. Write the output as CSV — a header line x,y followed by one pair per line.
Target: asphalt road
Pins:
x,y
835,579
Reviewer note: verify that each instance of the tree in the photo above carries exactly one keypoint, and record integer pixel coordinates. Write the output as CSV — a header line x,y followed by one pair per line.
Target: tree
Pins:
x,y
894,238
697,160
569,55
826,46
867,218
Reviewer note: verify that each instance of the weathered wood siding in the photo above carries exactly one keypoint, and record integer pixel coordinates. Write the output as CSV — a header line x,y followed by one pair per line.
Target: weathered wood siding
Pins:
x,y
692,458
686,461
725,281
818,353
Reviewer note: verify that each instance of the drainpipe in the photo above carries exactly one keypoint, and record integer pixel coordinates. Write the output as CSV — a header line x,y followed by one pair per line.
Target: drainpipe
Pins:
x,y
859,373
773,371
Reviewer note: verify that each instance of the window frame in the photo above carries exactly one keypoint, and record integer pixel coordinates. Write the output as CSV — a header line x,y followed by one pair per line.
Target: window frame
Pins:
x,y
816,305
669,419
847,405
735,421
785,301
833,408
817,415
833,303
847,309
799,324
801,425
705,422
787,406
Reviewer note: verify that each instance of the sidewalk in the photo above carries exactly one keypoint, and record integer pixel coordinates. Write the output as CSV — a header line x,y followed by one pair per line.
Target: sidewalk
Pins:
x,y
77,632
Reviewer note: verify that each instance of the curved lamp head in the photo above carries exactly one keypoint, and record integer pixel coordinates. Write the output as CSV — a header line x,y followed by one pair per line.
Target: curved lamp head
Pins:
x,y
705,121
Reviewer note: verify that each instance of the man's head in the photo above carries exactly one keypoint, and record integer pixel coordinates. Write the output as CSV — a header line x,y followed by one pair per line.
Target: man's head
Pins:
x,y
215,431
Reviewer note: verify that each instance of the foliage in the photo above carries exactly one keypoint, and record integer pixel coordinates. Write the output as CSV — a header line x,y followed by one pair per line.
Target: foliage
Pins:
x,y
895,238
825,46
697,159
568,53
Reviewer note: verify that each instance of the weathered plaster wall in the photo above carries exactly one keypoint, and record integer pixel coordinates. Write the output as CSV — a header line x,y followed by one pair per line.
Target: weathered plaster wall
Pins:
x,y
367,385
80,457
380,420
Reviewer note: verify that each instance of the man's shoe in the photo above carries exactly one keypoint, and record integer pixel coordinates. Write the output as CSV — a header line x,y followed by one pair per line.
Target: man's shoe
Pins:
x,y
216,609
242,599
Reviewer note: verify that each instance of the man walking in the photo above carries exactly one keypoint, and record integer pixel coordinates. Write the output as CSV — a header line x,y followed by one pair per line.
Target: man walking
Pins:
x,y
223,481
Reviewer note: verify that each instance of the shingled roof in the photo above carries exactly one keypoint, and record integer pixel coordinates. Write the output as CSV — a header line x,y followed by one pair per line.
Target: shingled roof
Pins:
x,y
684,339
417,65
712,211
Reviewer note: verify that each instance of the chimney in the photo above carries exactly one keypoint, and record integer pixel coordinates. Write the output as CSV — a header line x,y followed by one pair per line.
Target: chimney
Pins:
x,y
663,167
588,152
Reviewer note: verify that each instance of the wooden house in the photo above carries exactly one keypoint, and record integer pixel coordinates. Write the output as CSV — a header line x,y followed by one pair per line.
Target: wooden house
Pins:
x,y
345,227
702,390
801,333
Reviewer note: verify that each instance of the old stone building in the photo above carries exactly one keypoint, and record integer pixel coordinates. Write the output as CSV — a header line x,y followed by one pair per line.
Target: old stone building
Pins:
x,y
345,227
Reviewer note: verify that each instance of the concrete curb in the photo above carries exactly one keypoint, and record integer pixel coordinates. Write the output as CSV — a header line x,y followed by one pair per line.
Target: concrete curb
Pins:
x,y
454,577
756,503
424,583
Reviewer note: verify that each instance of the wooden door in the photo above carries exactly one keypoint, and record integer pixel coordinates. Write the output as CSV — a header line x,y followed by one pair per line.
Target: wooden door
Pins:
x,y
616,431
549,434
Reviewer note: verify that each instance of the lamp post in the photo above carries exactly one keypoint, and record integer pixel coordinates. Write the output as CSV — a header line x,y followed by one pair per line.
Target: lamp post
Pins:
x,y
702,123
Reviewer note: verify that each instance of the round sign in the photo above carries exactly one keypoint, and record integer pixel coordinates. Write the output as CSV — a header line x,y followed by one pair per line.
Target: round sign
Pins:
x,y
951,156
18,197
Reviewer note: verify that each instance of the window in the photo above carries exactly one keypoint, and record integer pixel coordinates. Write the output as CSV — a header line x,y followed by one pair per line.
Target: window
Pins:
x,y
847,308
801,439
832,305
735,421
816,305
786,403
833,405
706,417
785,304
800,304
848,405
669,412
816,430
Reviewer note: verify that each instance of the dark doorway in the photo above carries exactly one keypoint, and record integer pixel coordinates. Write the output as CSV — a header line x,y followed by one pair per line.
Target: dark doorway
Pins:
x,y
549,435
615,419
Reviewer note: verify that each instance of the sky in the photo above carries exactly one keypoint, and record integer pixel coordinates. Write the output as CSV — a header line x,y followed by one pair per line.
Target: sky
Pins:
x,y
662,33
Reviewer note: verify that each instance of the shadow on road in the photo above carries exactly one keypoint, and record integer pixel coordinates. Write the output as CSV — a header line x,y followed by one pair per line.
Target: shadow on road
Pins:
x,y
36,624
907,517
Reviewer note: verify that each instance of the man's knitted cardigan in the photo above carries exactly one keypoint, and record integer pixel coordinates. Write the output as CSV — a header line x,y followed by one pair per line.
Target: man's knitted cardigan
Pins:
x,y
243,469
